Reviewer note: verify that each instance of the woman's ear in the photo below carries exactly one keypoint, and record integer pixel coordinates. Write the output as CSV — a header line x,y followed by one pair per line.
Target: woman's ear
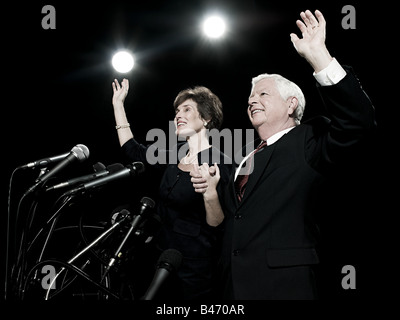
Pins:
x,y
205,123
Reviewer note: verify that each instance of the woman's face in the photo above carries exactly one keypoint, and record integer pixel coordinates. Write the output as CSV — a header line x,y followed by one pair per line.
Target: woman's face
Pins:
x,y
187,119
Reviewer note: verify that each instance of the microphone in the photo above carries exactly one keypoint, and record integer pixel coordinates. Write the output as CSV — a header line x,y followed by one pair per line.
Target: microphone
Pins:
x,y
146,203
98,166
148,228
109,170
170,260
130,170
45,161
79,152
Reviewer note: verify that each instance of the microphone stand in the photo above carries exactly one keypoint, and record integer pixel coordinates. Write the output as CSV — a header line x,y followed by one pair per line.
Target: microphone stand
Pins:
x,y
17,268
25,245
118,253
92,244
105,233
146,203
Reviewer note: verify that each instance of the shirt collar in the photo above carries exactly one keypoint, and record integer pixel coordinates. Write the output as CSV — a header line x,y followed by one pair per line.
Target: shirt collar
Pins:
x,y
272,139
275,137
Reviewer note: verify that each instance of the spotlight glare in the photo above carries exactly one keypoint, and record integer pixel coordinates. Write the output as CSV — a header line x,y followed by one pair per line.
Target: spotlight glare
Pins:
x,y
123,61
214,27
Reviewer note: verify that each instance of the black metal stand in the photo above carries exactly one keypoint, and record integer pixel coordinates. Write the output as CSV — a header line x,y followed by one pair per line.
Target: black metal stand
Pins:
x,y
30,243
92,244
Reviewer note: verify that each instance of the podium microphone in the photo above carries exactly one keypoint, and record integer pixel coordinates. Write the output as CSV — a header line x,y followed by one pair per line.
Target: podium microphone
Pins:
x,y
78,153
170,260
45,161
128,171
146,203
89,177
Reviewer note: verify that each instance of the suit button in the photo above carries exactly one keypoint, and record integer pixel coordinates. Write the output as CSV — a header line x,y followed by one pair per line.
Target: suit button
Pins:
x,y
238,216
235,252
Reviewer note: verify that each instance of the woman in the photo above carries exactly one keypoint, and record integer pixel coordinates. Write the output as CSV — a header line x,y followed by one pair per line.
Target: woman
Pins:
x,y
191,218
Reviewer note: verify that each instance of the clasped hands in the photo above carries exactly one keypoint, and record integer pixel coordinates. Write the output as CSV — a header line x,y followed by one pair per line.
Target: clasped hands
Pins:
x,y
205,178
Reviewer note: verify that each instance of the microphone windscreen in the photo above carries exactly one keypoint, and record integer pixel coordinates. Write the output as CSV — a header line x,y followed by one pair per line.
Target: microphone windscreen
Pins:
x,y
98,166
148,202
170,259
81,152
138,167
115,167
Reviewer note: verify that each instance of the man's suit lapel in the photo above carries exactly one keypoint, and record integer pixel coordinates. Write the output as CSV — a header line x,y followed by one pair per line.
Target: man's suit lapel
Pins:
x,y
261,162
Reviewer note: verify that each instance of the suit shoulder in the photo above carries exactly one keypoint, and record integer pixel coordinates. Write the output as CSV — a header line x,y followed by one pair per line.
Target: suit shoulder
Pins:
x,y
316,124
317,121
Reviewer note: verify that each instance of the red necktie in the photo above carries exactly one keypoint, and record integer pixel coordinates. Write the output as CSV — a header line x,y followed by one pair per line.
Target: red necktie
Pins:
x,y
241,180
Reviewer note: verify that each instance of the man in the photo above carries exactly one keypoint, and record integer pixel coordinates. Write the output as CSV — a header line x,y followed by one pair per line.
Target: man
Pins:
x,y
269,245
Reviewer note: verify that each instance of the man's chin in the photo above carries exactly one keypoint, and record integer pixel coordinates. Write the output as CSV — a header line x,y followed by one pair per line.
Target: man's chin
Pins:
x,y
256,124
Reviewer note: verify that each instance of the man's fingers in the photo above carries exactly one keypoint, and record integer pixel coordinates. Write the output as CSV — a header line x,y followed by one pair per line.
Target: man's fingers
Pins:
x,y
199,179
320,18
302,27
200,185
195,175
293,37
311,19
305,19
200,190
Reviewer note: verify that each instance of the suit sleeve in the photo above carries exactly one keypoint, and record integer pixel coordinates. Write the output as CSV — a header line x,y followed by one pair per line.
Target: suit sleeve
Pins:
x,y
351,121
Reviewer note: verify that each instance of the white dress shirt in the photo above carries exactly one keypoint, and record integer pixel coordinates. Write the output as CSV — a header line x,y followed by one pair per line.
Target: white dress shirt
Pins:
x,y
331,75
272,139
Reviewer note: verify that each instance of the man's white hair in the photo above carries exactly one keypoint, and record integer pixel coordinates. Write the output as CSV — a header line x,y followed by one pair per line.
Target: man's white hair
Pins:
x,y
286,89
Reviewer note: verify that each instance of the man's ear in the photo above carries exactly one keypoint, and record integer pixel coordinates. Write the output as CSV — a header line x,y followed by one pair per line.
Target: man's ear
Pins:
x,y
292,104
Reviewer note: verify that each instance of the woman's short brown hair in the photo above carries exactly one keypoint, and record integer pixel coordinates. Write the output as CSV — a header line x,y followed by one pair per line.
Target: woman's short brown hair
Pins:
x,y
208,104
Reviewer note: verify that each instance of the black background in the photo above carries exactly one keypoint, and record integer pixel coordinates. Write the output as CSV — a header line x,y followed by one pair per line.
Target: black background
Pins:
x,y
56,93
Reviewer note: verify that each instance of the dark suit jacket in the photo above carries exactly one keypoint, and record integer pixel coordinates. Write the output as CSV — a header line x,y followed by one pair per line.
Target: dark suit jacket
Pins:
x,y
270,237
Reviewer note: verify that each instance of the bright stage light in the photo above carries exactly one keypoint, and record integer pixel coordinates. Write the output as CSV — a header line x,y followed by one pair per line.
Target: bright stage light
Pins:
x,y
214,27
123,61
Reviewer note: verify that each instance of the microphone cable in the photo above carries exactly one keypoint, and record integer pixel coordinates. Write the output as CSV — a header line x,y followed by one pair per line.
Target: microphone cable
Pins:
x,y
8,232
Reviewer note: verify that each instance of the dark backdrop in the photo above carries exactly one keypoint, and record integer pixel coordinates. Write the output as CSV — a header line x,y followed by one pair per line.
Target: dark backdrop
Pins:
x,y
56,93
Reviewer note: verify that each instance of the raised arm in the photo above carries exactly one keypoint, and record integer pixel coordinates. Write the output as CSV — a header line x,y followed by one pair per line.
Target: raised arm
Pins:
x,y
122,124
351,113
312,44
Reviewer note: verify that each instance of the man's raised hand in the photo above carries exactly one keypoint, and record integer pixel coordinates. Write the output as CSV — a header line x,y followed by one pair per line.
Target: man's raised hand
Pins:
x,y
311,45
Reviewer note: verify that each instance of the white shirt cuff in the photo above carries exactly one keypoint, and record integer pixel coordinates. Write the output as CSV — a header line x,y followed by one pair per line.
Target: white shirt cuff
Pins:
x,y
331,75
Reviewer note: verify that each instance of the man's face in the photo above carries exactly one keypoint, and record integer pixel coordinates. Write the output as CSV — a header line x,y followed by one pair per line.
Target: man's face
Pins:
x,y
266,106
